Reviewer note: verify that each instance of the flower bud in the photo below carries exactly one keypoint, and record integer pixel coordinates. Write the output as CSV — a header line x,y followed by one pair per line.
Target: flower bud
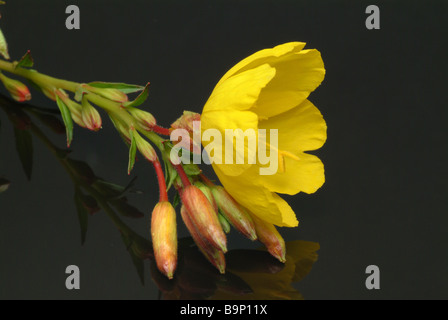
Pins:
x,y
108,93
203,216
208,193
164,237
186,121
269,236
75,108
145,119
215,256
224,223
234,213
192,141
17,89
145,148
90,116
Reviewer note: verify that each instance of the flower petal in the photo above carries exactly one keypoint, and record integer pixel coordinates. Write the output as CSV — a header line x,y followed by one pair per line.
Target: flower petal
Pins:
x,y
266,205
297,75
241,91
299,129
262,57
214,124
306,174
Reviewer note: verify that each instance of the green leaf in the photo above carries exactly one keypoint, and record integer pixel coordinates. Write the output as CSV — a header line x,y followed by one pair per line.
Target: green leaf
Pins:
x,y
132,151
67,118
191,169
24,146
140,99
26,61
83,214
176,200
123,87
3,46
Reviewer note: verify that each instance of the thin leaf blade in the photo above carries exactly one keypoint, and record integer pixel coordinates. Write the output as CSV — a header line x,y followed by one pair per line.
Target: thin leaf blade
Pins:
x,y
132,151
141,98
67,118
123,87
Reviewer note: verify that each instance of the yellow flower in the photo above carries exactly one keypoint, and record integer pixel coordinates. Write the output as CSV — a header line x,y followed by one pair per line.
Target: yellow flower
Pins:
x,y
269,90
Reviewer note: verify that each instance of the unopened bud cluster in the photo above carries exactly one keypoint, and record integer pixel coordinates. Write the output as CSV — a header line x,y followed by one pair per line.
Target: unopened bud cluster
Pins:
x,y
208,211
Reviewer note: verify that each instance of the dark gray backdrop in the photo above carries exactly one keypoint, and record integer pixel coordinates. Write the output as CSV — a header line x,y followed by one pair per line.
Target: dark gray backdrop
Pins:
x,y
384,201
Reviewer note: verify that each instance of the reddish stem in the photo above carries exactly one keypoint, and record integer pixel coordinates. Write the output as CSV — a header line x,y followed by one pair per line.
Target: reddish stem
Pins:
x,y
206,180
161,180
183,176
161,130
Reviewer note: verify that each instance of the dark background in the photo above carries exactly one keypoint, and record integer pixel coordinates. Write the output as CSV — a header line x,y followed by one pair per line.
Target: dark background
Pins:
x,y
384,201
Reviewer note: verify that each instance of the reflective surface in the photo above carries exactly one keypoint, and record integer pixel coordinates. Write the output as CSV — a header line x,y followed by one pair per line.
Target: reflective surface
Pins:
x,y
384,201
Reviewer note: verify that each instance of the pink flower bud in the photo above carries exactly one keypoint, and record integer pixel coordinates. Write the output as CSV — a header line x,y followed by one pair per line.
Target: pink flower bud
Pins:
x,y
186,121
203,216
234,212
17,89
164,237
90,116
215,256
75,108
269,236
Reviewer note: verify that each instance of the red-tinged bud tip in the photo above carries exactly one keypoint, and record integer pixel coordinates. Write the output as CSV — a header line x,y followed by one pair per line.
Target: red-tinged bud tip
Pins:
x,y
234,212
203,216
271,238
145,119
164,238
145,148
211,253
186,121
17,89
90,116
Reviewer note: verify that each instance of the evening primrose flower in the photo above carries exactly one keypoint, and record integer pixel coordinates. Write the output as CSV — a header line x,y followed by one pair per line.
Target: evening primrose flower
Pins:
x,y
269,90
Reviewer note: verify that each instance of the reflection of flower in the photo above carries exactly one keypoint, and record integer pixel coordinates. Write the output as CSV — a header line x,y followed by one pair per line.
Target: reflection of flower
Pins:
x,y
301,256
269,90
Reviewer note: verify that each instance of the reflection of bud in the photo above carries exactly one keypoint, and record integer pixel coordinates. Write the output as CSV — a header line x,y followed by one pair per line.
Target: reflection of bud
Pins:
x,y
145,119
269,236
17,89
234,213
164,237
203,216
108,93
215,256
90,116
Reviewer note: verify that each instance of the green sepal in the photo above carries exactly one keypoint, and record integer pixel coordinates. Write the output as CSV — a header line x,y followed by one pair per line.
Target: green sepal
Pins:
x,y
132,151
141,98
3,46
123,87
67,118
26,61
